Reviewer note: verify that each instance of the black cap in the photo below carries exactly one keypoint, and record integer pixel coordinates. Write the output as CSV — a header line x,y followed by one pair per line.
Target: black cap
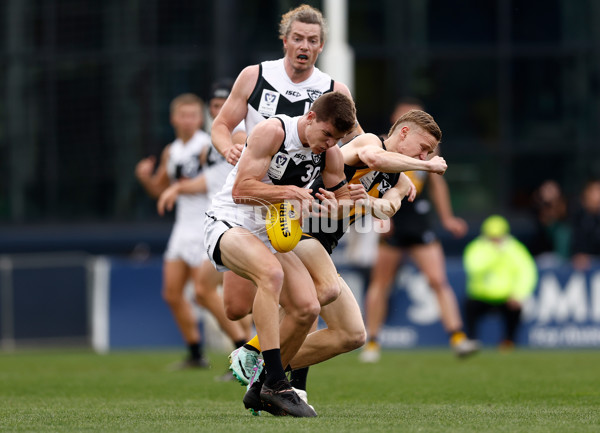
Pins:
x,y
221,88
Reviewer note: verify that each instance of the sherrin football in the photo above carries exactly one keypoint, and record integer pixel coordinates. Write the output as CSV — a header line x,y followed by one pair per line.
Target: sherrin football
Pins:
x,y
284,227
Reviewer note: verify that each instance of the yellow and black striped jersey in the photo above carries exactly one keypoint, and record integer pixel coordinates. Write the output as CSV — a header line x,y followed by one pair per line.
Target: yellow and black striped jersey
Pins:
x,y
376,183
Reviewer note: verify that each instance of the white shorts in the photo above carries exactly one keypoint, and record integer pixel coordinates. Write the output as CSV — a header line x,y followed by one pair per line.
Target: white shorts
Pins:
x,y
215,227
187,245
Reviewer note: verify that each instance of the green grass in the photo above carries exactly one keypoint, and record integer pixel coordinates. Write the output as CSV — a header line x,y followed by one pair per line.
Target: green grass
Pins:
x,y
410,391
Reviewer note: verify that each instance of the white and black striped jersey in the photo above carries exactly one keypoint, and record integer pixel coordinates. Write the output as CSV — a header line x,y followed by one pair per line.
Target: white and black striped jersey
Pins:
x,y
184,163
275,93
293,164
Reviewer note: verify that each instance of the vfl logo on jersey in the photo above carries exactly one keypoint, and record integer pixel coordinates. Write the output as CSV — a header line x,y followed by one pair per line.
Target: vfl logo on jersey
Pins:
x,y
313,94
268,103
316,158
279,163
384,186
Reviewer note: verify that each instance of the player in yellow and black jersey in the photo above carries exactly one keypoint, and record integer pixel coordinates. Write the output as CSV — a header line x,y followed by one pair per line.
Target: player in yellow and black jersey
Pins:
x,y
412,233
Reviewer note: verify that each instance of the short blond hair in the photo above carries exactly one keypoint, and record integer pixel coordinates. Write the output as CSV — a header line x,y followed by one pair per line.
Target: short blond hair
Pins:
x,y
420,119
186,99
305,14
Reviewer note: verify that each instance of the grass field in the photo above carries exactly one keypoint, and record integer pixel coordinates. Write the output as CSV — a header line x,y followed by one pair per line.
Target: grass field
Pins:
x,y
409,391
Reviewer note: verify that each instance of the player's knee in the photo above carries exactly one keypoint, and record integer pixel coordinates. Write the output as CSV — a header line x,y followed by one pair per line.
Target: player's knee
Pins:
x,y
328,292
350,339
271,280
172,298
354,339
307,313
439,285
236,311
201,295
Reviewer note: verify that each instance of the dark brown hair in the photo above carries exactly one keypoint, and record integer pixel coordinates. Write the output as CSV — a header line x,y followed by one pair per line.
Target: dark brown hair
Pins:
x,y
336,108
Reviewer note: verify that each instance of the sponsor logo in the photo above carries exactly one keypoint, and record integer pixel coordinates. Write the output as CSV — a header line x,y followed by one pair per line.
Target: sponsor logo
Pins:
x,y
293,93
300,156
283,220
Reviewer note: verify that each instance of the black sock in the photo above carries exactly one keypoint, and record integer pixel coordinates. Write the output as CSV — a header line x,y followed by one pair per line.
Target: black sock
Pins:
x,y
239,343
298,378
195,350
272,358
247,346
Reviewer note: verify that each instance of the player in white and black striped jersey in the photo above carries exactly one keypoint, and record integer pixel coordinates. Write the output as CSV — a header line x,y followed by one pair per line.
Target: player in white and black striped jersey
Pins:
x,y
285,86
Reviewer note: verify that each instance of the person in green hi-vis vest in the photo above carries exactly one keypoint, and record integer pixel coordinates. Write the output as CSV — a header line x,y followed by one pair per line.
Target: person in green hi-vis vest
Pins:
x,y
501,274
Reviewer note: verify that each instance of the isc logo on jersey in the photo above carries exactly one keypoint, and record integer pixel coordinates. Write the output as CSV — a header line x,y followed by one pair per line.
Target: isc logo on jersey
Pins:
x,y
283,227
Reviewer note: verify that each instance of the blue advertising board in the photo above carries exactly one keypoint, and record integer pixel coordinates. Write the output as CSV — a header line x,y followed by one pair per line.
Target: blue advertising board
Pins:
x,y
563,312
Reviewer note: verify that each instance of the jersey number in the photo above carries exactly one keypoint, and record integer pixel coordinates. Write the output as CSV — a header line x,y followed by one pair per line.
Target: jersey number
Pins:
x,y
311,174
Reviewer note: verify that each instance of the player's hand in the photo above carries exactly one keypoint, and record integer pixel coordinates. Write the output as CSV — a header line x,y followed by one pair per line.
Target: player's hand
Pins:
x,y
357,192
330,206
327,204
300,198
145,168
167,199
457,226
233,153
438,165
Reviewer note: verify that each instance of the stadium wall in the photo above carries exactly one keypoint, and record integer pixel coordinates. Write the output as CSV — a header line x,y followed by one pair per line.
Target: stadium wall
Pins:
x,y
112,303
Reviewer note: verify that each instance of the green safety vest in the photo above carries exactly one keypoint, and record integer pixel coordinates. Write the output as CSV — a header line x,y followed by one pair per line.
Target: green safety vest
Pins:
x,y
496,272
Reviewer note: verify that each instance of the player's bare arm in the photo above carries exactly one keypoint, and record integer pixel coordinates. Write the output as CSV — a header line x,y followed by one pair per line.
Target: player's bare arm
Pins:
x,y
390,203
232,113
367,149
440,196
154,182
168,197
335,198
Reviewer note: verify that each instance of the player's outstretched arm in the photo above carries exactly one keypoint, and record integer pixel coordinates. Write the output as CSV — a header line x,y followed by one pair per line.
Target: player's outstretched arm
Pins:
x,y
376,158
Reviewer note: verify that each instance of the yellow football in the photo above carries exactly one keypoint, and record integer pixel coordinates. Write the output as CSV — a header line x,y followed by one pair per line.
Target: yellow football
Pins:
x,y
284,227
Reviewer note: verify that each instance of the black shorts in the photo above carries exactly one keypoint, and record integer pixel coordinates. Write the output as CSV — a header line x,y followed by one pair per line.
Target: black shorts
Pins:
x,y
412,225
328,240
